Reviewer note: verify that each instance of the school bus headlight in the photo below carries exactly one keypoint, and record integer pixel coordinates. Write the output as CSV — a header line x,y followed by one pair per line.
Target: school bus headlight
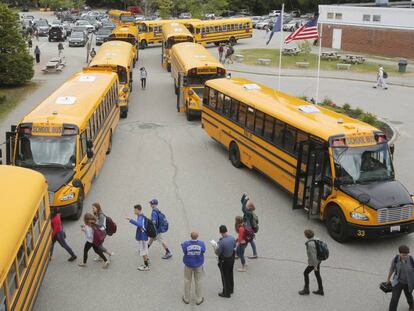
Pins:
x,y
359,216
67,197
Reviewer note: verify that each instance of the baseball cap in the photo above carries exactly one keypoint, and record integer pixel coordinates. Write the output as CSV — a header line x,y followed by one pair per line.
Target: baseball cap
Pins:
x,y
153,202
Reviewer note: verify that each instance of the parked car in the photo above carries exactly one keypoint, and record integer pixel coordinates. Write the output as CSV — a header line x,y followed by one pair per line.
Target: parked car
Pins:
x,y
263,24
57,33
101,35
78,38
185,15
295,13
68,27
274,13
292,25
209,16
108,24
85,25
255,19
95,23
42,26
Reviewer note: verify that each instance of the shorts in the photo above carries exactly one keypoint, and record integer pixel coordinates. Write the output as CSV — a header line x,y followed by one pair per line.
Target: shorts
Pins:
x,y
143,248
159,238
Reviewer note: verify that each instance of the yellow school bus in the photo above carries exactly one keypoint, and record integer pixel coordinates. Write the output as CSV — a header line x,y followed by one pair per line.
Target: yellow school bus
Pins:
x,y
172,33
221,30
25,236
127,33
118,16
338,169
150,32
191,66
118,56
68,136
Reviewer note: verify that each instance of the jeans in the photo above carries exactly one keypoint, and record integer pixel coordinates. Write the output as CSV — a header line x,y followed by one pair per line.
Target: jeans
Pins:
x,y
189,273
396,293
308,270
240,252
60,238
88,246
226,266
143,83
253,244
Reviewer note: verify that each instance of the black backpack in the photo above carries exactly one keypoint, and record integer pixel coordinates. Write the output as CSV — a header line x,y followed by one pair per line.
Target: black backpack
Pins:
x,y
385,75
150,228
322,250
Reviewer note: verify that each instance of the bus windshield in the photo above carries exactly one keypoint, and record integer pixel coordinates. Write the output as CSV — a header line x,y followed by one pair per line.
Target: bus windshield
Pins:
x,y
201,79
363,164
46,151
127,18
142,28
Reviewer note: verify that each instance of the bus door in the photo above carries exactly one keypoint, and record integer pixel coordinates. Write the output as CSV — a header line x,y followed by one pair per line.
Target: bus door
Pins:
x,y
10,144
180,93
310,170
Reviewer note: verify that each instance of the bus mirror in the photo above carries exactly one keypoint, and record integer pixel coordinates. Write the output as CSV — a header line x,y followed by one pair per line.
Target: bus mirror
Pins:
x,y
204,101
89,144
392,148
77,183
89,153
336,183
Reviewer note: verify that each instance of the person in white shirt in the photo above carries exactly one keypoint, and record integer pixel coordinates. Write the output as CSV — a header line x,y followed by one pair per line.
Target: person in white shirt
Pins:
x,y
144,74
381,78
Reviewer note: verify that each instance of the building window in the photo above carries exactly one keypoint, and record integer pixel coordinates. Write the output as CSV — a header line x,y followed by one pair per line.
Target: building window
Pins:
x,y
366,18
376,18
338,15
330,15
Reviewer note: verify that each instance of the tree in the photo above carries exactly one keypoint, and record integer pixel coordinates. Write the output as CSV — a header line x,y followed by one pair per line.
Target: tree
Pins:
x,y
165,7
56,4
198,8
16,64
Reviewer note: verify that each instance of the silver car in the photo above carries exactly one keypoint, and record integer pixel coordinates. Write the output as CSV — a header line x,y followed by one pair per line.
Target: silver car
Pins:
x,y
78,38
84,24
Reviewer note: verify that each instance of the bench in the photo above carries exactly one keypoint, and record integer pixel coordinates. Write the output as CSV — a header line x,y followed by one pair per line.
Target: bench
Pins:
x,y
238,58
302,64
343,66
264,61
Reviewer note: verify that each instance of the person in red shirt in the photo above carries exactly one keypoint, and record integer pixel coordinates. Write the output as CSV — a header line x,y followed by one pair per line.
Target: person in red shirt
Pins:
x,y
59,235
241,242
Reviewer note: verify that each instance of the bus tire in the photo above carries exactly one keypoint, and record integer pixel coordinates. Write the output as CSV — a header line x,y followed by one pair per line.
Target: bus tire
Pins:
x,y
232,41
108,151
336,224
169,67
124,114
79,207
175,89
133,63
143,44
188,113
234,155
216,43
178,101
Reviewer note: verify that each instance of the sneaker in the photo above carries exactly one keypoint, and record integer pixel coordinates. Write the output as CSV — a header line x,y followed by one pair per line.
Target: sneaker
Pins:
x,y
200,302
97,258
166,256
106,264
81,264
304,291
385,88
318,292
374,87
243,269
111,254
72,258
143,268
185,301
252,257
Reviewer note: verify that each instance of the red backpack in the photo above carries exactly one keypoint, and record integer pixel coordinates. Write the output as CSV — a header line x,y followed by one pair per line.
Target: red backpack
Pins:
x,y
98,236
110,226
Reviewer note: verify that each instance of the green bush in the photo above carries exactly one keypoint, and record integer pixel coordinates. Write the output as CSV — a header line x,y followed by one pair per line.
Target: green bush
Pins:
x,y
3,99
369,118
346,107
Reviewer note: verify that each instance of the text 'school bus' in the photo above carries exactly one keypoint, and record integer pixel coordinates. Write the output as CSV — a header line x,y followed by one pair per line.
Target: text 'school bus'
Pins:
x,y
25,236
118,56
172,33
337,168
68,136
118,16
191,66
127,33
221,30
150,32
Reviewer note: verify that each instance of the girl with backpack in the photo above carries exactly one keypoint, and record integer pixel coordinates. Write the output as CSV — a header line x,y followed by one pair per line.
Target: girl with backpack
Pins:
x,y
101,223
93,239
241,242
250,219
58,235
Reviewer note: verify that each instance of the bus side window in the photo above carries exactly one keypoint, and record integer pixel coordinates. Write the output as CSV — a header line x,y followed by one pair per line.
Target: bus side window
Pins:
x,y
2,298
21,262
290,139
150,29
268,127
226,106
205,95
224,27
250,118
234,109
220,103
242,114
12,280
90,132
213,98
301,136
258,124
83,145
279,132
36,227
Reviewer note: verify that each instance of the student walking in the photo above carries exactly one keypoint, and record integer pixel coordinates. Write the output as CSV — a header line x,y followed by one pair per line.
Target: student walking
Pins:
x,y
225,252
229,53
220,52
37,54
250,219
241,242
158,219
381,76
193,260
60,49
30,44
93,239
402,267
58,235
143,74
101,224
141,236
313,264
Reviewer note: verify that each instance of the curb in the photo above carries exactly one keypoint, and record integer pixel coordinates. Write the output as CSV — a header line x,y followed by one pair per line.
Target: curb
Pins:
x,y
310,77
393,129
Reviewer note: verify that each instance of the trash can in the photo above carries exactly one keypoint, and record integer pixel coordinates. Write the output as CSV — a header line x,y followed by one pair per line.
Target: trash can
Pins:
x,y
402,65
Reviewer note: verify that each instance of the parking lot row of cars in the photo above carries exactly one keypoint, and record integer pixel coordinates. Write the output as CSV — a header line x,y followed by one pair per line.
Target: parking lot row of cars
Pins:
x,y
291,21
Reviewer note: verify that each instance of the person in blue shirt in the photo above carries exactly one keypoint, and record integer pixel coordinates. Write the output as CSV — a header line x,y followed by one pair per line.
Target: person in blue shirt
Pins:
x,y
159,238
141,236
193,266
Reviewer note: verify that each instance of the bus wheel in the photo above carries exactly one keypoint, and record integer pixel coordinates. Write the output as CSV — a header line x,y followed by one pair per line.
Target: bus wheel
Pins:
x,y
232,41
143,44
133,63
108,151
175,89
169,67
336,224
79,207
216,43
188,113
234,155
124,114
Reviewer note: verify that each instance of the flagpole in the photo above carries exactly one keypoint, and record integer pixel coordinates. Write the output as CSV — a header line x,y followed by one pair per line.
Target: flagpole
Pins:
x,y
281,44
319,65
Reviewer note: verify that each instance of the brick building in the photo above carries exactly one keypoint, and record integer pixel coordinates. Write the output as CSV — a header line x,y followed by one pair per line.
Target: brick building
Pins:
x,y
374,30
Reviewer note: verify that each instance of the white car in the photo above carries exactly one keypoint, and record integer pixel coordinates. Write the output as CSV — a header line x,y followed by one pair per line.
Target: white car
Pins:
x,y
292,25
85,25
263,24
274,13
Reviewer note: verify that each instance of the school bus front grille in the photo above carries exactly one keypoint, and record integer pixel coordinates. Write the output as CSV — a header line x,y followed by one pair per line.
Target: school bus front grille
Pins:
x,y
394,214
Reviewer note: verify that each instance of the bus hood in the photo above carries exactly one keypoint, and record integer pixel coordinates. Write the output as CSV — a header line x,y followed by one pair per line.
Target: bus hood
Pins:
x,y
56,177
382,194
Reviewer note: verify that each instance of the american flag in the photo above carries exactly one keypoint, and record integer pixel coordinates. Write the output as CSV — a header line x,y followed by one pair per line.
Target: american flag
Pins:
x,y
307,31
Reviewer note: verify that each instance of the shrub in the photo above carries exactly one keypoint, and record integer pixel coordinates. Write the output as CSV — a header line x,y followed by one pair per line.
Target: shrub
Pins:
x,y
3,99
346,107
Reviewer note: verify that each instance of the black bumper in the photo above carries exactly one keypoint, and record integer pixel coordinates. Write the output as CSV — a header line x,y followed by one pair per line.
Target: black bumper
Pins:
x,y
380,231
67,210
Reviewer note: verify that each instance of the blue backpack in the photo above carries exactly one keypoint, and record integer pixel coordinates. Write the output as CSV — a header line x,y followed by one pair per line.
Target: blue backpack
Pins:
x,y
162,222
322,250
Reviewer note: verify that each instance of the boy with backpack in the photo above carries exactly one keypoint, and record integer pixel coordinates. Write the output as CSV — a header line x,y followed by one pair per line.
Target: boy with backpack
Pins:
x,y
161,226
145,229
316,251
251,222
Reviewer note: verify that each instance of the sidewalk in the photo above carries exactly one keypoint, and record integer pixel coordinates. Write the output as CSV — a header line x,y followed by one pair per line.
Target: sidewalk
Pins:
x,y
406,81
